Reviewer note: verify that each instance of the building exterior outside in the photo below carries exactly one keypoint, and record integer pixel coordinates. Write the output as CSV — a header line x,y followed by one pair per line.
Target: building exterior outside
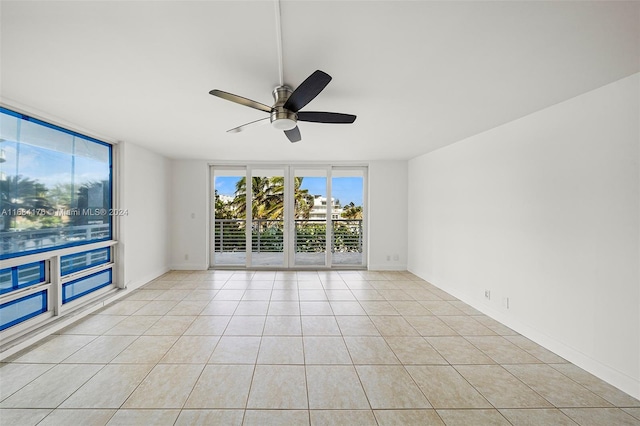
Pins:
x,y
319,209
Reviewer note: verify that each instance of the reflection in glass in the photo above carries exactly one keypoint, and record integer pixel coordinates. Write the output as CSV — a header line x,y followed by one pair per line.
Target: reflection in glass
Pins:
x,y
55,187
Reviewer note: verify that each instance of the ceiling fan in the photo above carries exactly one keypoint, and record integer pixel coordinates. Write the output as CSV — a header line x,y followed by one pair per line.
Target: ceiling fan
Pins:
x,y
285,113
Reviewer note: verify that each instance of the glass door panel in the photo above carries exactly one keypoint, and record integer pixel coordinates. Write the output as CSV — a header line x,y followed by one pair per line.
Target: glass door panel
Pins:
x,y
268,217
347,230
229,224
310,217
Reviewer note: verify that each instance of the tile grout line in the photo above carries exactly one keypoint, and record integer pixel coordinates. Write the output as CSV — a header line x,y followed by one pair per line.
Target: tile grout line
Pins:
x,y
465,338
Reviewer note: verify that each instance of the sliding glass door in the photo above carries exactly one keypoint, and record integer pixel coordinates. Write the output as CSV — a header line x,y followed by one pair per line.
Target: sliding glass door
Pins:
x,y
277,216
347,220
309,223
268,205
229,217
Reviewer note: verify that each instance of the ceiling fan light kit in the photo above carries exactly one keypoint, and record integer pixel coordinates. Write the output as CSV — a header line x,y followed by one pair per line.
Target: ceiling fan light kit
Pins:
x,y
282,119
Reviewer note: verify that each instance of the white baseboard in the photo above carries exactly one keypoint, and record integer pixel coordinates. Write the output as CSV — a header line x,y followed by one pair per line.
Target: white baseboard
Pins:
x,y
610,375
387,267
137,283
189,267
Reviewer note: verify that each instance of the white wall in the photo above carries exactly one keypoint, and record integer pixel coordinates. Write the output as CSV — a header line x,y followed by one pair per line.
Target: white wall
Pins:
x,y
144,192
545,211
388,215
189,215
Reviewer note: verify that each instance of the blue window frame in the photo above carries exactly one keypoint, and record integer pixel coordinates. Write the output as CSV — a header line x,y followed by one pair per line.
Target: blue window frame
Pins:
x,y
22,309
84,260
85,285
21,276
55,187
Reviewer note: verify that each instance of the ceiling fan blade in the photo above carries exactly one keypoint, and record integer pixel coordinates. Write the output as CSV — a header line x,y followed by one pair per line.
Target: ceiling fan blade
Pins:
x,y
240,100
293,134
307,90
326,117
251,124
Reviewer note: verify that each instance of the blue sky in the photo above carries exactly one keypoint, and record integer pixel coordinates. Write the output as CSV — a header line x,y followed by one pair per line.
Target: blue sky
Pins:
x,y
345,189
51,167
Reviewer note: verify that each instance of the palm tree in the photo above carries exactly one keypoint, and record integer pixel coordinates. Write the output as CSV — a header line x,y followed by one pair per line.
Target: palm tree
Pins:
x,y
351,211
263,196
302,199
268,198
19,192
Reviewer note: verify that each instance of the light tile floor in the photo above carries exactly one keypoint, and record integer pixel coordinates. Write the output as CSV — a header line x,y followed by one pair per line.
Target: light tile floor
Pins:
x,y
289,348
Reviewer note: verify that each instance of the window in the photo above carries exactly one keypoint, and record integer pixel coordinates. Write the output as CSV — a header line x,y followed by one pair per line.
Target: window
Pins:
x,y
18,277
56,239
55,187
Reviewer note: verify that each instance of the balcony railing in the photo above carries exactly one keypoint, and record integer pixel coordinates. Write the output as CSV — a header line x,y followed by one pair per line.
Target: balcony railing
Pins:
x,y
229,235
268,236
19,241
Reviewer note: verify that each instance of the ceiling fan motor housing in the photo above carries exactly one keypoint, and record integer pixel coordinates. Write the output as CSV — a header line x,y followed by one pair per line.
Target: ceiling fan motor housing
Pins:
x,y
281,118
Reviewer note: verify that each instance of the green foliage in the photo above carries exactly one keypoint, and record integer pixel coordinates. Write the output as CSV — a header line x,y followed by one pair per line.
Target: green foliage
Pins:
x,y
21,193
311,238
50,221
268,212
61,195
38,204
223,210
268,198
351,211
347,237
268,238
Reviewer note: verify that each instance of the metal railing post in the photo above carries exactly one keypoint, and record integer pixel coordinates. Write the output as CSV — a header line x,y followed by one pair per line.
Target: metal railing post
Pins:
x,y
221,237
259,226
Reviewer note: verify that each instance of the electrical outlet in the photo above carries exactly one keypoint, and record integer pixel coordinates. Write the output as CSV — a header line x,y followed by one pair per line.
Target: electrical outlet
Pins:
x,y
487,294
388,258
186,257
396,257
505,302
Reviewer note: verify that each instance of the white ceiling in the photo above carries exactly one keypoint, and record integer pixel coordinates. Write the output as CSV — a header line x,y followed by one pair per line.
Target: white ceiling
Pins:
x,y
419,75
